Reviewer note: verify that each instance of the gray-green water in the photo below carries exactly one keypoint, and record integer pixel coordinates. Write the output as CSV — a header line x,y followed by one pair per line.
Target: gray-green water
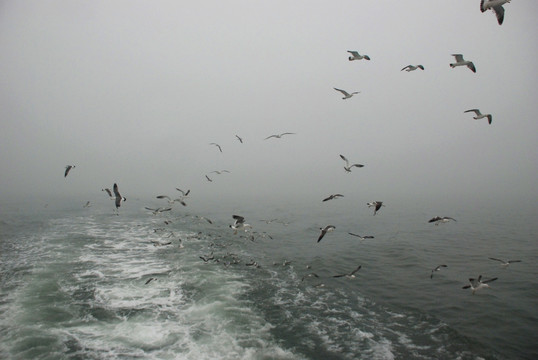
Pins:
x,y
73,284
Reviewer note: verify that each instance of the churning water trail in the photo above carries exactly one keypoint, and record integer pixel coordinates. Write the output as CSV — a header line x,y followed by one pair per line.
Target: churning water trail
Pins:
x,y
96,286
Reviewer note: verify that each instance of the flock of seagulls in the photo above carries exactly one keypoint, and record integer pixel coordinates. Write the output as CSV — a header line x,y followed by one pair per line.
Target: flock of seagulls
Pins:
x,y
239,223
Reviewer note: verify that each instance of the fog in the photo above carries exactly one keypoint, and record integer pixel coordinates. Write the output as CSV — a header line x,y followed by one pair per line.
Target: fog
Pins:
x,y
134,92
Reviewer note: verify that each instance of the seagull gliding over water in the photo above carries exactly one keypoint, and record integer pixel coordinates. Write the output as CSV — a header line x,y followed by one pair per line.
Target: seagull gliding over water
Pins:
x,y
477,284
324,231
505,263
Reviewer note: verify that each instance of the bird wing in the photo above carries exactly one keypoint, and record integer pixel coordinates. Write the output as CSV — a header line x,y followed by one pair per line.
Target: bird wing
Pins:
x,y
67,169
346,160
287,133
342,91
340,275
357,269
116,191
239,219
354,53
270,137
459,57
434,219
108,192
357,165
499,12
497,260
472,67
407,67
513,261
240,140
328,198
490,119
163,197
323,232
488,280
476,111
355,235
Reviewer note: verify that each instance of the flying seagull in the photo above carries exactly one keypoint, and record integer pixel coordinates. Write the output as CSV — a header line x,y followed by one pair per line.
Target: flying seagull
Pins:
x,y
119,198
334,196
348,167
477,284
376,204
351,275
184,193
170,201
217,145
409,68
356,56
496,6
239,223
68,169
208,179
158,210
361,237
238,138
437,269
324,231
87,204
220,172
505,263
438,220
278,136
461,62
479,115
346,94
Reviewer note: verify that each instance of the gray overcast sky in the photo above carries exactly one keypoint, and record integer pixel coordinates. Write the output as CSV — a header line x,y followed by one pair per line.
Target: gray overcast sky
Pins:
x,y
134,91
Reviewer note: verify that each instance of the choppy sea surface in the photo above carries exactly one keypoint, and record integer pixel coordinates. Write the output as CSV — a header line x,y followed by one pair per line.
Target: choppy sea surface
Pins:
x,y
84,283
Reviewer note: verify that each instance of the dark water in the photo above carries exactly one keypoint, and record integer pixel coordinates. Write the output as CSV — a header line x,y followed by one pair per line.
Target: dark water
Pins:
x,y
73,285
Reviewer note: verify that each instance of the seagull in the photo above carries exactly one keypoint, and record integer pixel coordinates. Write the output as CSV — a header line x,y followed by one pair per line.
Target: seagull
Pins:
x,y
239,223
208,179
68,169
149,280
346,94
357,56
496,6
238,138
477,284
409,68
184,193
119,198
436,269
217,145
505,263
479,115
377,205
348,167
87,204
204,218
351,275
220,172
325,230
438,220
158,210
108,191
170,201
334,196
461,62
362,237
278,136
